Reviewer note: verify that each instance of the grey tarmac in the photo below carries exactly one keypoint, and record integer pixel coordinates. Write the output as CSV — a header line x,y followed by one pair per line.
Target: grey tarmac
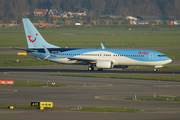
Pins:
x,y
98,92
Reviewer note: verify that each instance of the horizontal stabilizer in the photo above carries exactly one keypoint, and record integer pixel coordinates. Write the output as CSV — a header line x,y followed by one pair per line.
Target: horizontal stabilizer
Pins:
x,y
47,53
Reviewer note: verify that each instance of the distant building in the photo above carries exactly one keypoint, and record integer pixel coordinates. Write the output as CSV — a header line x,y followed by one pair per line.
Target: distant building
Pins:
x,y
74,14
40,12
67,15
131,18
53,13
79,13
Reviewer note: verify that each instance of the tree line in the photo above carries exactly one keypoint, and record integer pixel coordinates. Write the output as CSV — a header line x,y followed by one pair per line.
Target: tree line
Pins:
x,y
14,9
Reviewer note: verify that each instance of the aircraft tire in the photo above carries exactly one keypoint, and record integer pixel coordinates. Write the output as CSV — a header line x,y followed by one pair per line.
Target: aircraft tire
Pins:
x,y
90,68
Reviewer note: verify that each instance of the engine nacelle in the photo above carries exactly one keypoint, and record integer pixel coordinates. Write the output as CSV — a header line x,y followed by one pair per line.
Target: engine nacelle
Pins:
x,y
104,64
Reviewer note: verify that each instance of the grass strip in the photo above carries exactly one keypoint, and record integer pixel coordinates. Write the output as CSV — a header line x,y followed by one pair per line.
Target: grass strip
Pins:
x,y
18,107
173,54
108,110
15,56
142,77
165,68
158,99
29,107
83,109
35,62
35,84
92,38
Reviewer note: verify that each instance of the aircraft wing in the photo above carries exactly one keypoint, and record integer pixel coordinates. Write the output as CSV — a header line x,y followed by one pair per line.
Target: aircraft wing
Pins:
x,y
83,59
89,60
48,54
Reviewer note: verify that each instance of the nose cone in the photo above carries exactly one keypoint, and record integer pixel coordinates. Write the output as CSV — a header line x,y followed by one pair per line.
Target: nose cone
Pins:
x,y
168,60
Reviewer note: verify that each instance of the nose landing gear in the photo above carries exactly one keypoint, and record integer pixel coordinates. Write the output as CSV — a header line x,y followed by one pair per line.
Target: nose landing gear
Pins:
x,y
155,67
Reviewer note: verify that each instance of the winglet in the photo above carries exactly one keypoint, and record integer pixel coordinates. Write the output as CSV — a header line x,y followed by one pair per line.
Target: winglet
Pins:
x,y
47,53
102,46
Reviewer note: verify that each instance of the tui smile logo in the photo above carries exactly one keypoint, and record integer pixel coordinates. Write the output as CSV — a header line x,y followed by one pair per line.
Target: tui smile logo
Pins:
x,y
30,38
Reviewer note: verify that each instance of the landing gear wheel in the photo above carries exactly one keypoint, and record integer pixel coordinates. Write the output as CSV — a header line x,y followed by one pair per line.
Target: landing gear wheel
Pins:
x,y
91,68
155,69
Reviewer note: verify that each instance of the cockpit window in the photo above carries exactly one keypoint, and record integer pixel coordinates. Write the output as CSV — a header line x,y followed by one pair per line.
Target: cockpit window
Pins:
x,y
161,55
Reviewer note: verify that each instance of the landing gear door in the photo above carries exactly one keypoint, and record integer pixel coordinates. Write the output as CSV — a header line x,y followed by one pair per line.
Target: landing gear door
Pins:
x,y
151,56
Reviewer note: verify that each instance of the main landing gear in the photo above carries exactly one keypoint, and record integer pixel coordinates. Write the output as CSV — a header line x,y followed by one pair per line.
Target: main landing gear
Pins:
x,y
155,69
91,68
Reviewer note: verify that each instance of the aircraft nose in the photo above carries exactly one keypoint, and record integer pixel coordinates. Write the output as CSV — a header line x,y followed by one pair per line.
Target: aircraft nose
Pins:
x,y
169,60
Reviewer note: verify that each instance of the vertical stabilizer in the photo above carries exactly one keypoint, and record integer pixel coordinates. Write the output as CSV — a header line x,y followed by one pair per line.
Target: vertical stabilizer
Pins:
x,y
34,38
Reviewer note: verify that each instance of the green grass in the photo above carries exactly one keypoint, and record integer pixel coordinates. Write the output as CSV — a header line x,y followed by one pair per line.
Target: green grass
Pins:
x,y
11,30
92,38
142,77
158,99
15,56
7,63
173,54
29,107
8,49
83,109
18,107
165,68
93,41
29,60
108,110
98,31
35,84
12,40
3,107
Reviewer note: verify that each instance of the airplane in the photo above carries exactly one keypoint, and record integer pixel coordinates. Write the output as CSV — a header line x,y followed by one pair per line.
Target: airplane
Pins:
x,y
101,58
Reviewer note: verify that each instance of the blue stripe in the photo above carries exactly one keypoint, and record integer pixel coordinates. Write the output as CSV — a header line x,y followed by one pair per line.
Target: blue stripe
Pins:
x,y
141,55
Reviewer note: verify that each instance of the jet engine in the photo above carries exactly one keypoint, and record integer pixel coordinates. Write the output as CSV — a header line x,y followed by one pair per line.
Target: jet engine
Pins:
x,y
104,64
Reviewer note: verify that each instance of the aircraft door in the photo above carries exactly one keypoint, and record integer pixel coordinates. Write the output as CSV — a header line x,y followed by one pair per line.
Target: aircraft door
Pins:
x,y
151,56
